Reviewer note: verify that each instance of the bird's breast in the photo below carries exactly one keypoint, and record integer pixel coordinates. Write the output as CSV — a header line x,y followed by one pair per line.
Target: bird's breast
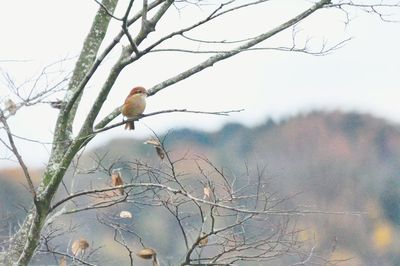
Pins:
x,y
134,106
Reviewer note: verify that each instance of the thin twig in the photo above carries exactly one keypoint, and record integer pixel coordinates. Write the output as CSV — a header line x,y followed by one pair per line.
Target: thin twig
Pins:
x,y
18,156
225,113
200,200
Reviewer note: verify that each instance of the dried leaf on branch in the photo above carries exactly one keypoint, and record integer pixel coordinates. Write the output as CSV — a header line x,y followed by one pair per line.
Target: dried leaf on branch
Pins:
x,y
79,246
116,180
157,145
125,215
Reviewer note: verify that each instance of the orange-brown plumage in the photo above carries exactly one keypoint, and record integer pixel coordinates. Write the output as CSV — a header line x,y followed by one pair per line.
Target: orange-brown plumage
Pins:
x,y
134,105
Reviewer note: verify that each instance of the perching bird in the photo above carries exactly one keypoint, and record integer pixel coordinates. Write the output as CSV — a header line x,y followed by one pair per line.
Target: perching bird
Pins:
x,y
134,105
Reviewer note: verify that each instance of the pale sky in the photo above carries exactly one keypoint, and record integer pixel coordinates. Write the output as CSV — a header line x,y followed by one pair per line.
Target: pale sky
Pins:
x,y
361,76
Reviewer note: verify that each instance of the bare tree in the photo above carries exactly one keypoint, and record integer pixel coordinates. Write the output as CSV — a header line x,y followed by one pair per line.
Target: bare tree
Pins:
x,y
217,218
231,244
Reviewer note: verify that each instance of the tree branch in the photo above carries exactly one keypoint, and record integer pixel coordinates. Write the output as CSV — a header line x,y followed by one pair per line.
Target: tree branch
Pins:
x,y
200,200
84,69
98,130
212,60
221,56
18,156
126,30
117,68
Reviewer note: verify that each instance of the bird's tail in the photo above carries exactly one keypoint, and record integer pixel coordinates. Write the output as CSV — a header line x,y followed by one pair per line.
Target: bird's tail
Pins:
x,y
130,125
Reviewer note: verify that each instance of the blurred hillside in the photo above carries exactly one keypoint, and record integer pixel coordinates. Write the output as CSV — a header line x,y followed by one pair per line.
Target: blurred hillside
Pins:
x,y
331,162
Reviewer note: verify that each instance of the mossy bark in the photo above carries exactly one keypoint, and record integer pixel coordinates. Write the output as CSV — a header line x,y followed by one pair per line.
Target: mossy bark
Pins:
x,y
24,243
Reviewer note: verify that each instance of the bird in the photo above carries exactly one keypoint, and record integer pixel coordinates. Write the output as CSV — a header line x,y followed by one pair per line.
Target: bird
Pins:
x,y
134,105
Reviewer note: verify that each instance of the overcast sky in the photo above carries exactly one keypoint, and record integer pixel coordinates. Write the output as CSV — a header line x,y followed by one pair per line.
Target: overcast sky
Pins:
x,y
362,76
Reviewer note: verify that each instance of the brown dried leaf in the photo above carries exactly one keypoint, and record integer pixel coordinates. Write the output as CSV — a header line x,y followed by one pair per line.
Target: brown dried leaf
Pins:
x,y
10,106
153,142
79,245
157,145
160,152
207,193
125,214
203,241
116,180
146,253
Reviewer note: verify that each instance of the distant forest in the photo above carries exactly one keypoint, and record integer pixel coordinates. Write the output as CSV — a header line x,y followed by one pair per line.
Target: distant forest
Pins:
x,y
321,161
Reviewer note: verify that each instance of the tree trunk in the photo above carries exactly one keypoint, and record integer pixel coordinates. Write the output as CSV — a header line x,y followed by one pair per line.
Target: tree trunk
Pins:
x,y
26,240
